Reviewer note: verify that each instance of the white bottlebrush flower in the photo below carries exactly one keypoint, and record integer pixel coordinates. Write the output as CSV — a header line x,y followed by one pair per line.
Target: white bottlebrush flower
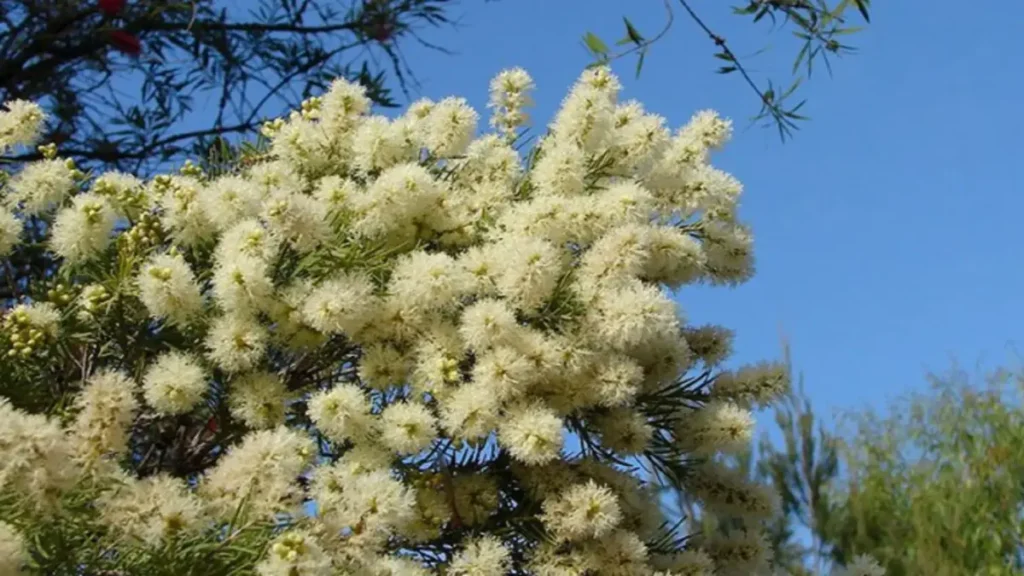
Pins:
x,y
341,413
531,270
634,316
674,258
728,491
399,195
379,144
261,471
152,510
640,139
168,289
490,164
488,323
295,553
21,122
13,551
504,372
485,556
343,102
296,218
561,171
582,511
184,216
729,256
376,500
711,345
174,384
509,97
275,177
258,399
407,427
586,116
10,231
382,366
242,284
106,408
620,553
756,384
336,193
471,412
617,379
624,431
708,129
229,200
42,185
247,238
236,343
617,258
718,426
82,230
426,281
482,264
739,552
532,433
36,460
126,193
340,305
450,127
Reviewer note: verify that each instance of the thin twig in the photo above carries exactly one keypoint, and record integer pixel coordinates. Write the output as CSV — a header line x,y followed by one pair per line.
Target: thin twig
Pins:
x,y
720,42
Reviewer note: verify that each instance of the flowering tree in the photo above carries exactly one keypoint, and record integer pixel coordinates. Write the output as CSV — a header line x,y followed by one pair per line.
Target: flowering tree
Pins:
x,y
380,347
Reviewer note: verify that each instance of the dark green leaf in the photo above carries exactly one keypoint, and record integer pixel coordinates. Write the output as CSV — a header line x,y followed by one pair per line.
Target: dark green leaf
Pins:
x,y
640,62
632,32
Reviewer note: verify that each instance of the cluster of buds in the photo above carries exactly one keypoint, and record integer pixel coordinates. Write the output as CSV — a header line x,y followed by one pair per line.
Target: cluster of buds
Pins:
x,y
449,369
132,198
290,547
146,233
161,185
310,109
270,128
75,172
25,338
92,298
191,169
60,294
49,151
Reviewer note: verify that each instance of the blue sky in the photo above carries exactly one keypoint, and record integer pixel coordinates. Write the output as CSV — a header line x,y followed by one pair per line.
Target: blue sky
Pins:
x,y
887,231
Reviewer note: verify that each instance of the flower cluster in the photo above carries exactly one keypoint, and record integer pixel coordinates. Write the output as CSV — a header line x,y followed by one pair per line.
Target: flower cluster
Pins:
x,y
397,342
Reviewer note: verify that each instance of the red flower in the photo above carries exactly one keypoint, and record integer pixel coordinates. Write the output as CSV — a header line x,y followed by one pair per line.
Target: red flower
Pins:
x,y
126,42
111,7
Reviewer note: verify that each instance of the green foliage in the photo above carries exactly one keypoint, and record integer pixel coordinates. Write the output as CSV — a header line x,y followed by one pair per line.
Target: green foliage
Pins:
x,y
933,486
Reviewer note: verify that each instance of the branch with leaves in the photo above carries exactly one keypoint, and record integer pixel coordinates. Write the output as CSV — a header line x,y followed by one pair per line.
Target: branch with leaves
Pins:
x,y
818,26
138,86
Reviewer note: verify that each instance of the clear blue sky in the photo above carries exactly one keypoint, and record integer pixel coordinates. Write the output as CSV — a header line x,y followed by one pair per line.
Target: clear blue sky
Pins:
x,y
888,232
